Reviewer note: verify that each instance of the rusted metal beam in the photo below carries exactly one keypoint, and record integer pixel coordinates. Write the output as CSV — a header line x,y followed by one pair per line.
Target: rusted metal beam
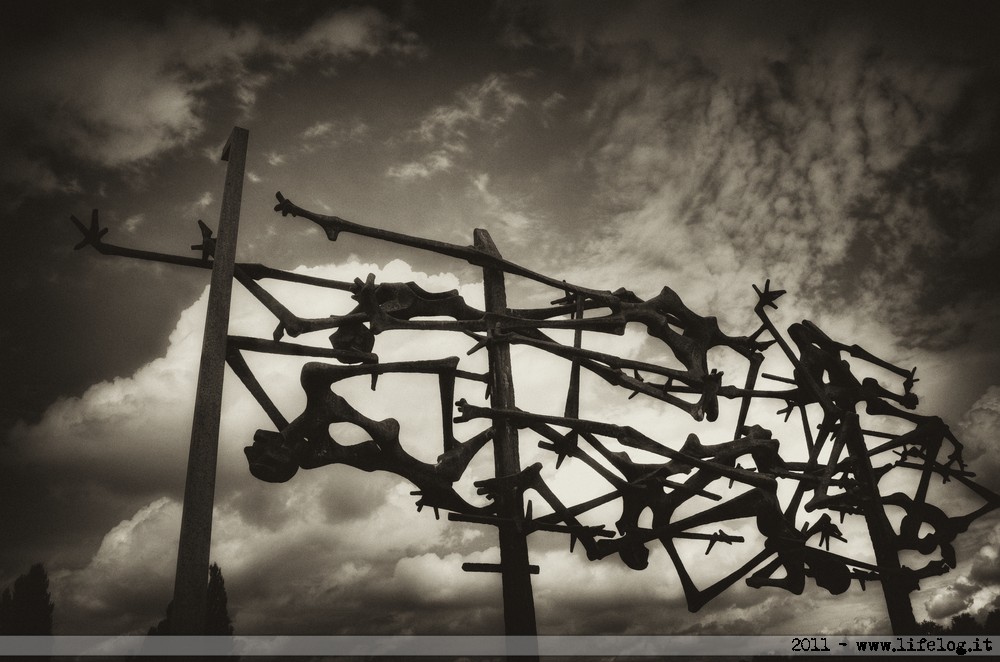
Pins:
x,y
895,586
519,603
191,579
492,567
334,225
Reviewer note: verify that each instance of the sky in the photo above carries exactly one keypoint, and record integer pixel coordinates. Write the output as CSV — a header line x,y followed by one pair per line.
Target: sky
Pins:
x,y
846,152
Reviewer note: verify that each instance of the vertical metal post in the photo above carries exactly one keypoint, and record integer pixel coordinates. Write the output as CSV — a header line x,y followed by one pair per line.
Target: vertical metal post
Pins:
x,y
518,602
191,579
894,586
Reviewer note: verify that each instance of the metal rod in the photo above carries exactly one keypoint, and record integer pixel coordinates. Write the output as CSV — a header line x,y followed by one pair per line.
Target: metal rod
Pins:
x,y
492,567
191,579
334,225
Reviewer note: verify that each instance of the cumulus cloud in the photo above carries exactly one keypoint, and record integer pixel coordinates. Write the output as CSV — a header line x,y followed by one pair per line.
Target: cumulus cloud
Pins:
x,y
820,162
365,546
986,567
204,200
951,601
490,102
135,562
318,130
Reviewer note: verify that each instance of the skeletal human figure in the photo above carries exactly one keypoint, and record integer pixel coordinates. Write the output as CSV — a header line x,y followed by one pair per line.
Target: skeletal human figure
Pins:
x,y
782,539
388,305
698,333
822,376
697,336
643,487
819,355
945,528
381,306
306,442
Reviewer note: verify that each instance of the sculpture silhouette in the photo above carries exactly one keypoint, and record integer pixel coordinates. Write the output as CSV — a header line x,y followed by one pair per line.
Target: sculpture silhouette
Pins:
x,y
822,381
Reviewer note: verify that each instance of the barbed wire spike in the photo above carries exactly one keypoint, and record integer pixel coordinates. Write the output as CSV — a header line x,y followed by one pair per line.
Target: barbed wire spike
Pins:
x,y
91,236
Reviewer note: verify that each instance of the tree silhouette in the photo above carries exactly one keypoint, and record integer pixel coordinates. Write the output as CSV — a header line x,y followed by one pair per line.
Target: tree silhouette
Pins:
x,y
965,623
27,610
992,624
931,627
6,612
217,621
163,627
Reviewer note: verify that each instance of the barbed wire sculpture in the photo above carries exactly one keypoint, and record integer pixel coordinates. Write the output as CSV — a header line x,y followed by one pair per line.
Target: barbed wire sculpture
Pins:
x,y
839,476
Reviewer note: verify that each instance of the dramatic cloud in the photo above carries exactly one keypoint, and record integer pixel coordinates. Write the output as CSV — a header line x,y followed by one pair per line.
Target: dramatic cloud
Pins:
x,y
132,223
32,174
985,567
135,561
793,164
78,92
485,106
980,425
975,588
953,600
845,152
366,551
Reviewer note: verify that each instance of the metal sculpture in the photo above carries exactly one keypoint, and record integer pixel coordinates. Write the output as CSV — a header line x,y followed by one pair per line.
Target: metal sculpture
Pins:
x,y
838,477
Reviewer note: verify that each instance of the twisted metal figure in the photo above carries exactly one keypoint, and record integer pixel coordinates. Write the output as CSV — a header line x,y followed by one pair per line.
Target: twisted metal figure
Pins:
x,y
822,381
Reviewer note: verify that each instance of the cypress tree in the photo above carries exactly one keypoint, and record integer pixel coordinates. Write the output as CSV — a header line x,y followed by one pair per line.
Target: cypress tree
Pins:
x,y
217,621
28,609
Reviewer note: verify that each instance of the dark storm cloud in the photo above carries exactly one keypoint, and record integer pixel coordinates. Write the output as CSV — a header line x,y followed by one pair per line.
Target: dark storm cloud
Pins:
x,y
955,599
86,462
98,100
76,91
